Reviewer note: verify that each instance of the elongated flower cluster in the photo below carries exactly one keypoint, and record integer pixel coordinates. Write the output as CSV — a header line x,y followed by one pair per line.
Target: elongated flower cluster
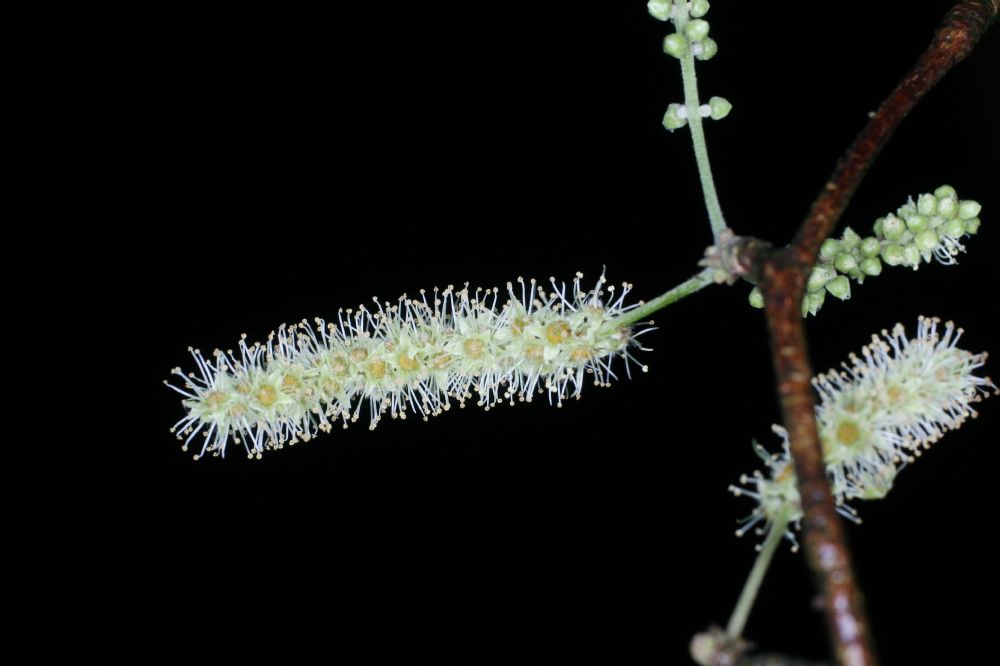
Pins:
x,y
412,356
874,416
932,227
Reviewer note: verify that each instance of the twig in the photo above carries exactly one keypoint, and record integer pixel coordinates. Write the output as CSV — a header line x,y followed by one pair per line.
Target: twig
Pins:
x,y
782,276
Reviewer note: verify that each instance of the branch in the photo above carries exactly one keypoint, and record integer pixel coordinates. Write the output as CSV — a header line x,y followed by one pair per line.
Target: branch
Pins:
x,y
782,276
954,40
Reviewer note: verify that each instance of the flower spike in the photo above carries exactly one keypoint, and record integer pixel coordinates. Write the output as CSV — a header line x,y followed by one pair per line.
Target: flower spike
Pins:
x,y
875,416
415,356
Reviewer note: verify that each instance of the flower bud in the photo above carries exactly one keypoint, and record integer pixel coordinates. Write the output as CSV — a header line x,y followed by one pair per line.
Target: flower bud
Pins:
x,y
893,255
819,277
893,227
814,301
845,262
705,49
673,119
969,209
850,239
870,247
948,207
945,191
829,250
675,45
840,287
954,228
927,204
696,30
926,241
699,8
720,108
756,298
916,223
659,9
871,266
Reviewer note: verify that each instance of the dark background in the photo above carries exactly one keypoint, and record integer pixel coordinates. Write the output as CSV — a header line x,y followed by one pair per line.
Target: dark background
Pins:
x,y
282,161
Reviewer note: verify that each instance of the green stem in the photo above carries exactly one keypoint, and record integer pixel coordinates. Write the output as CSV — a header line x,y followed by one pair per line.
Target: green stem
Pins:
x,y
691,103
686,288
738,620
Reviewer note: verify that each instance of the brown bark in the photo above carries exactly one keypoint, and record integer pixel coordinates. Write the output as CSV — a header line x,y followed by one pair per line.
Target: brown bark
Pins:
x,y
782,276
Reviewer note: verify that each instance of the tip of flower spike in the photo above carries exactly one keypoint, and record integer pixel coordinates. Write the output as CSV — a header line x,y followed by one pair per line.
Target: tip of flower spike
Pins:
x,y
931,228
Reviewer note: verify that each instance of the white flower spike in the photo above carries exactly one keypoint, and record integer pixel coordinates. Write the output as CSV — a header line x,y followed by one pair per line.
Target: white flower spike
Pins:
x,y
874,416
412,356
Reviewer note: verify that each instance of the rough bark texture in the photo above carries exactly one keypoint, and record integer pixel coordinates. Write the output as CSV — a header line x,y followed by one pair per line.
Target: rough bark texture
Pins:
x,y
782,276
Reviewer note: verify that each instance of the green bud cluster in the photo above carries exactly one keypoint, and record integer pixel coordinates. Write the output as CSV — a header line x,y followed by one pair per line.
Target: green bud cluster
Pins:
x,y
929,228
664,10
677,114
690,39
692,30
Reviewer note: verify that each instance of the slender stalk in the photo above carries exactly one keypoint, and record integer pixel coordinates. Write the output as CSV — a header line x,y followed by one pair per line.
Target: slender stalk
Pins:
x,y
738,620
692,103
686,288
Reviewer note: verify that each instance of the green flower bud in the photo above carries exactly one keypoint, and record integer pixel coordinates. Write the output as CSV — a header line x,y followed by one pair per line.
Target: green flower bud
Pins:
x,y
870,247
936,221
871,266
916,223
893,227
911,256
845,262
699,8
926,241
706,49
906,210
814,301
972,226
829,249
672,119
721,107
927,204
955,228
756,298
893,255
659,9
840,287
850,239
675,45
946,191
969,209
696,30
819,277
948,207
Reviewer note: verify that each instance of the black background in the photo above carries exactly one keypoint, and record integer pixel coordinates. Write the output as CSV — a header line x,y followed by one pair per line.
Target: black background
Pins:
x,y
281,161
